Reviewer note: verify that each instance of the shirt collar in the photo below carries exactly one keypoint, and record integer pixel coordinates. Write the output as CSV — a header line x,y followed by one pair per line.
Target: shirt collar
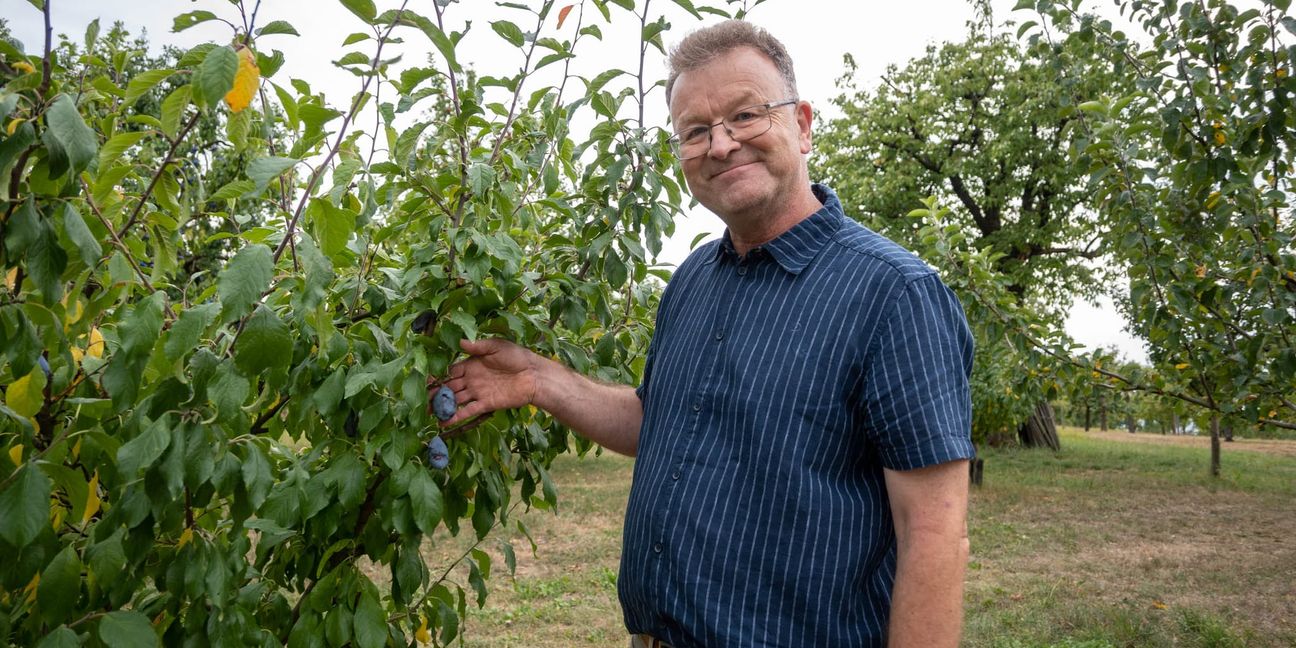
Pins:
x,y
794,249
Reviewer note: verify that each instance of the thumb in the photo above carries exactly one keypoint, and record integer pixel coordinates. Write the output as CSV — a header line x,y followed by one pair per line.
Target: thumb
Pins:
x,y
482,347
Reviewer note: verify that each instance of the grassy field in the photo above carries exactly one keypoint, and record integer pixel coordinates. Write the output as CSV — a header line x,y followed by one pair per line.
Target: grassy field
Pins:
x,y
1115,541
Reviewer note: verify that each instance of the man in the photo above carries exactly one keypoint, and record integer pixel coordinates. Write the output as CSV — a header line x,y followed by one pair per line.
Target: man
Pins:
x,y
802,429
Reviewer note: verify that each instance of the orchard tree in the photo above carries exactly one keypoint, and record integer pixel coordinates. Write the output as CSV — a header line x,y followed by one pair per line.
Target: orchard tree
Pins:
x,y
983,125
206,454
1191,173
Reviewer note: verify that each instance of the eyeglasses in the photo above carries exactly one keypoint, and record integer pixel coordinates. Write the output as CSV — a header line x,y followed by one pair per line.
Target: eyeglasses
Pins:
x,y
743,124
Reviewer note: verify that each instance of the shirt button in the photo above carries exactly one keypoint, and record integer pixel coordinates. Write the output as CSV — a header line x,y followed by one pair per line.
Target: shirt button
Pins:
x,y
719,335
657,548
742,270
675,475
697,407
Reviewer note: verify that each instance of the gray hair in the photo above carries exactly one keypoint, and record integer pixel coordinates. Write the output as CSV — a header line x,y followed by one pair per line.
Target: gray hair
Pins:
x,y
704,45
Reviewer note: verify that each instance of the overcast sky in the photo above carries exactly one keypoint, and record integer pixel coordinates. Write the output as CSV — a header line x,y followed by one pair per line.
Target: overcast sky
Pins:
x,y
817,33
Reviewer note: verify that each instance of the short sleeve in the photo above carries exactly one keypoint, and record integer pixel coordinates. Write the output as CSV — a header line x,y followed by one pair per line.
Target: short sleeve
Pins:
x,y
916,395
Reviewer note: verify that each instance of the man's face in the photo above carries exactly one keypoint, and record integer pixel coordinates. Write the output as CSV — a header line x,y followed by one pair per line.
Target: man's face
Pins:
x,y
742,182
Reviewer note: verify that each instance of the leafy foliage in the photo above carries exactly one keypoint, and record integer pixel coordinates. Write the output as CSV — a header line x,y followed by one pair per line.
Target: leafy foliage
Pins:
x,y
1190,170
236,398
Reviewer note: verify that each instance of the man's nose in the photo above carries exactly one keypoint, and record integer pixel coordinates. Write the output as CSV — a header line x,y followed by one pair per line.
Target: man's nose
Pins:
x,y
722,142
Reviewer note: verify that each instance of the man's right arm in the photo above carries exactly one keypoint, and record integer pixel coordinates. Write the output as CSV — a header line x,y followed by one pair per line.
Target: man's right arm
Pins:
x,y
502,375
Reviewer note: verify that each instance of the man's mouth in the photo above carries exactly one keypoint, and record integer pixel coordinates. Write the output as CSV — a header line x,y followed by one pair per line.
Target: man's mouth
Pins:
x,y
730,168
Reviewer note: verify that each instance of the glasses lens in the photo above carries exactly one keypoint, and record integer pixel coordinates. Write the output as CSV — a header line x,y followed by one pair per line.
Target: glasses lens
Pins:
x,y
748,122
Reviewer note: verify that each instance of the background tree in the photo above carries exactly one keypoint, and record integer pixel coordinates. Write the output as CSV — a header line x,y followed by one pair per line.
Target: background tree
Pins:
x,y
1191,170
984,126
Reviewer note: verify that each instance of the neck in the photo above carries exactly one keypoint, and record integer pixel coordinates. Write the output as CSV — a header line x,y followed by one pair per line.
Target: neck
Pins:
x,y
750,231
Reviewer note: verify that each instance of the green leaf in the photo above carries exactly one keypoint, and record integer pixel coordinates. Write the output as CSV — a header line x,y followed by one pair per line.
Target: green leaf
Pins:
x,y
186,20
127,629
331,225
264,345
81,236
277,27
364,9
115,146
142,83
60,586
263,170
227,392
480,178
184,335
215,76
234,189
257,478
145,449
63,637
509,32
173,108
24,506
46,261
244,279
370,623
425,500
78,141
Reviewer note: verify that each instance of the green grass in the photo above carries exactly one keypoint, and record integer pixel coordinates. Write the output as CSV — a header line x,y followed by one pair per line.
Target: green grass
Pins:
x,y
1102,545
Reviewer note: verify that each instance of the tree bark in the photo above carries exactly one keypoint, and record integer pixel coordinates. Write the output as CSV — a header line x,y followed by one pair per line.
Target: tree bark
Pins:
x,y
1086,416
1215,446
1102,416
1228,433
1040,430
1130,424
1174,423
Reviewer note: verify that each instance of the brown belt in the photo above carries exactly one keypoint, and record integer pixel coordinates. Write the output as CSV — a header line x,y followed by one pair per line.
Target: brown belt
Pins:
x,y
647,641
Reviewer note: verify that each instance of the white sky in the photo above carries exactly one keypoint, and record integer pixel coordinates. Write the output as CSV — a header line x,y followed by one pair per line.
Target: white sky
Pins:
x,y
817,34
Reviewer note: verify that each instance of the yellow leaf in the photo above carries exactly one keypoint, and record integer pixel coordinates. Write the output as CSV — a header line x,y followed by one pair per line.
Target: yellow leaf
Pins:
x,y
1212,200
422,635
26,395
30,589
1158,605
76,452
246,81
13,125
12,278
56,517
1181,366
1273,413
1200,271
15,454
24,66
76,354
186,537
74,311
96,348
1281,73
92,499
1220,138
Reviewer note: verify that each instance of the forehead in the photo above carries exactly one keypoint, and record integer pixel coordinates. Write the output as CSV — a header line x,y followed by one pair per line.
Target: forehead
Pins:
x,y
740,77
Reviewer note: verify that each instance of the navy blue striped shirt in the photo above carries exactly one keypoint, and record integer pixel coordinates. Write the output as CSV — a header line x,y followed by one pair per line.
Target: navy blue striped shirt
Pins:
x,y
777,387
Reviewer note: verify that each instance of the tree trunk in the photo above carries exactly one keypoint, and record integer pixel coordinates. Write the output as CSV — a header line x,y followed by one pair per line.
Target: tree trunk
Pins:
x,y
1102,416
1130,424
1174,423
1228,433
1086,416
1215,446
1040,431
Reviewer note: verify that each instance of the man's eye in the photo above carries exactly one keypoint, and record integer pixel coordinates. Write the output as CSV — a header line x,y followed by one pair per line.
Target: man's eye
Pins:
x,y
693,134
743,116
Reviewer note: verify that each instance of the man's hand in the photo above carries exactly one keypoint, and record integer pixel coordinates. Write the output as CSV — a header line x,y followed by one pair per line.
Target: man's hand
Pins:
x,y
502,375
497,375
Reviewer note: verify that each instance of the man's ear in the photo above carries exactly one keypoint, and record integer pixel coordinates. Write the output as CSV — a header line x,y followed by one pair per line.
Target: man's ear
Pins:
x,y
804,119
